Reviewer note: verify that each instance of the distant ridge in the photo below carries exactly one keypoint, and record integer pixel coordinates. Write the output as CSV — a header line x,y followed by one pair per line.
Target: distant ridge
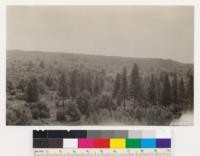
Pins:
x,y
111,63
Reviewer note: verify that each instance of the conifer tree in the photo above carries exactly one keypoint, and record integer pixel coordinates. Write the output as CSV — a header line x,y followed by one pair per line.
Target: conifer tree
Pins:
x,y
174,90
74,84
117,86
166,92
62,88
152,91
96,86
190,91
135,87
181,91
32,90
88,82
158,90
124,89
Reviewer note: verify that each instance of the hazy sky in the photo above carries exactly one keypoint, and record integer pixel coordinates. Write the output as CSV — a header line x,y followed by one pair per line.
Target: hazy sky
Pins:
x,y
132,31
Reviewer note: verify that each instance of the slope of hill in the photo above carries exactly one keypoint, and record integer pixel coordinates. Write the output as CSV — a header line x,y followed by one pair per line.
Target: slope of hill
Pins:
x,y
110,63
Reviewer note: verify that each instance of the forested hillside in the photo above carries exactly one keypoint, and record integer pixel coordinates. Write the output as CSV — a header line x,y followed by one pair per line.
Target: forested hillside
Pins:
x,y
46,88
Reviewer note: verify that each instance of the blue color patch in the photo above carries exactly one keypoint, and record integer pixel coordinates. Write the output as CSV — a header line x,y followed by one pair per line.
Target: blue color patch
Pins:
x,y
148,143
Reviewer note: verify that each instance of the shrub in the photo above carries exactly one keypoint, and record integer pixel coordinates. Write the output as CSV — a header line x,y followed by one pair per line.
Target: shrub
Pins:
x,y
40,110
83,102
19,116
10,117
157,115
106,102
42,88
22,85
73,112
60,115
32,90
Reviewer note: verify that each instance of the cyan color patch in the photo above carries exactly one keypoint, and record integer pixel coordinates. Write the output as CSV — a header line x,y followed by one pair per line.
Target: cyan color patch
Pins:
x,y
148,143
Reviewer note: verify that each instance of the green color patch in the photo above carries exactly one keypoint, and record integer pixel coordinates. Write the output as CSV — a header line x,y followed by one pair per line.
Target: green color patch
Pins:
x,y
133,143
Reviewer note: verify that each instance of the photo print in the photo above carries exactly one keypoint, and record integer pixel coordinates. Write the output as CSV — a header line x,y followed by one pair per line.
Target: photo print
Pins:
x,y
100,65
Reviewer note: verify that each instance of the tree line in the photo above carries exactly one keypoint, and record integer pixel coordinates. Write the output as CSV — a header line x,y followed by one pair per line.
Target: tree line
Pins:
x,y
163,90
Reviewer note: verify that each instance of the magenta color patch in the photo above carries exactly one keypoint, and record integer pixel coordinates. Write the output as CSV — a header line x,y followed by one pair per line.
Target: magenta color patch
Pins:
x,y
85,143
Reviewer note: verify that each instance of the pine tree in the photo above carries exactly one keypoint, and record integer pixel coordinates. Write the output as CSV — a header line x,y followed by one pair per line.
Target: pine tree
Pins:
x,y
42,65
88,82
174,90
135,87
62,88
124,89
96,86
117,86
158,90
21,85
152,91
81,81
166,92
32,90
181,93
49,81
102,78
190,91
74,84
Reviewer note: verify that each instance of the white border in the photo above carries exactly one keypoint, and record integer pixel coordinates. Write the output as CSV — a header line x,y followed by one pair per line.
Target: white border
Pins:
x,y
190,133
75,2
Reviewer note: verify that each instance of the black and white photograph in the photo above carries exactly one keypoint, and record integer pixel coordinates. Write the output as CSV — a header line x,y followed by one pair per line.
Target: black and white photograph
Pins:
x,y
100,65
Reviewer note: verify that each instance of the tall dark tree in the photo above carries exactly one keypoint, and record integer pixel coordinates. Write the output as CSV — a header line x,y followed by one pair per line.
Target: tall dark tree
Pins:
x,y
49,81
83,102
32,90
124,87
74,84
181,91
174,88
22,85
88,82
166,91
63,88
9,86
42,65
190,91
102,78
135,87
158,89
81,81
96,86
117,86
30,66
152,91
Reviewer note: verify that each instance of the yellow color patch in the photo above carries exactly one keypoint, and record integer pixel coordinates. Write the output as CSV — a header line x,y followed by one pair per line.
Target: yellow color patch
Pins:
x,y
117,143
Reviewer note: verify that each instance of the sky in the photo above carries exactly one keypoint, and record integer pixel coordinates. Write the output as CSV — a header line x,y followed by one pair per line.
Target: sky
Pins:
x,y
131,31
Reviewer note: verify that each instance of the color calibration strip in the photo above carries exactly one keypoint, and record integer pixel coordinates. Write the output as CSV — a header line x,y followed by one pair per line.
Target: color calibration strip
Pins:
x,y
108,139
